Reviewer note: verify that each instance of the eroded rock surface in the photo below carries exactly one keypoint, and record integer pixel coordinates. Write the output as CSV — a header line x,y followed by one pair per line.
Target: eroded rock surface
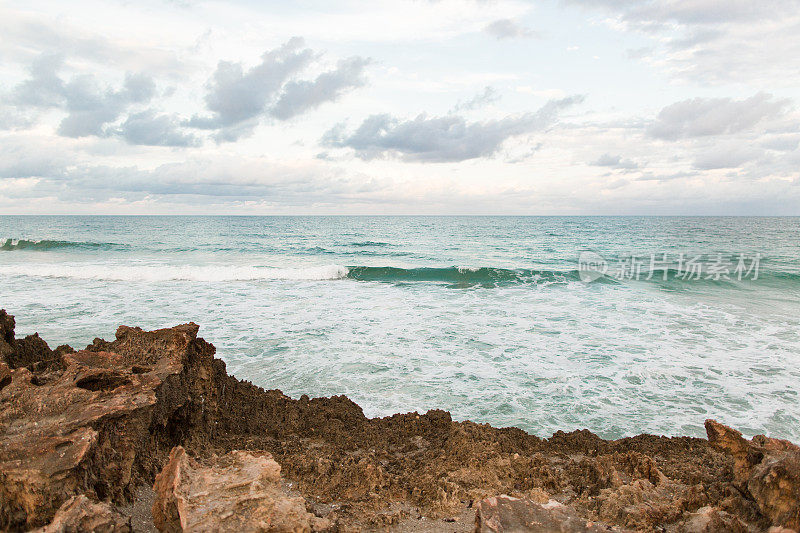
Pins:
x,y
97,422
504,514
766,469
80,514
239,491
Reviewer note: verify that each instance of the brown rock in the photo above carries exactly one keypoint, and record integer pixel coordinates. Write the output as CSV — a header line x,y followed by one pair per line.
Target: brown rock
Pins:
x,y
79,514
102,423
711,520
7,324
504,514
27,352
239,492
5,375
766,469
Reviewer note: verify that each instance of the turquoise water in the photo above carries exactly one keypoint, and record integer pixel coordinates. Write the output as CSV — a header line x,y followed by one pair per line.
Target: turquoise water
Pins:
x,y
487,317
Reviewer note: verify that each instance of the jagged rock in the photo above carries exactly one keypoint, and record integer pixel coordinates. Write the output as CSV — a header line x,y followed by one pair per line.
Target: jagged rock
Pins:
x,y
79,514
766,469
239,491
5,375
102,423
26,352
711,520
7,324
504,514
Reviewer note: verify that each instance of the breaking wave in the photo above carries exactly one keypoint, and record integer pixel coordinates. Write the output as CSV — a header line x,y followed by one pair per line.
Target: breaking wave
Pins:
x,y
46,244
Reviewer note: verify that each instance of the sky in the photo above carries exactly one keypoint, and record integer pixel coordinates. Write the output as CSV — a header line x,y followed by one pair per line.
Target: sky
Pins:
x,y
563,107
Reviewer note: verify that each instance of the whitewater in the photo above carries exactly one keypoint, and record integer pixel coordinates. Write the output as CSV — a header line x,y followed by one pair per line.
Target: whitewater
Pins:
x,y
487,317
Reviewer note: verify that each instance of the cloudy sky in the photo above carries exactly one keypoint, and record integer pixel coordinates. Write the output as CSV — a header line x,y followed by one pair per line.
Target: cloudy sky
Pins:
x,y
412,107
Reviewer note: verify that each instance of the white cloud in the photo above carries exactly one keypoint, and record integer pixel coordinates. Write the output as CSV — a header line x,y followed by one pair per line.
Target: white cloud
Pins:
x,y
736,41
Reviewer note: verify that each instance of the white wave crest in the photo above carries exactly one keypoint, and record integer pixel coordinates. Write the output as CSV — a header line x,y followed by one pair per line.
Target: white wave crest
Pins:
x,y
174,272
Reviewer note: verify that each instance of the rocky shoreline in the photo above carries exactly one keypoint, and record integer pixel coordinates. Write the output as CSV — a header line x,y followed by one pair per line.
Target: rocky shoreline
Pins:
x,y
84,435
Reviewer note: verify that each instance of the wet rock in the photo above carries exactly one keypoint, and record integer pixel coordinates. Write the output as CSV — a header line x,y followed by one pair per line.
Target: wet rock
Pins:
x,y
504,514
102,423
239,491
80,514
768,470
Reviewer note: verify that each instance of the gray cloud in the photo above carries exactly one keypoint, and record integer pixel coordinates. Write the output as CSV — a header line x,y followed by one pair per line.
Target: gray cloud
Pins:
x,y
700,117
488,96
217,179
441,139
44,88
783,143
152,129
726,155
89,106
301,95
11,118
615,161
650,176
508,29
235,96
28,156
238,99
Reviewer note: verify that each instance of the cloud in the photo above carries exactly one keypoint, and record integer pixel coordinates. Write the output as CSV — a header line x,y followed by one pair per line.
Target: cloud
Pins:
x,y
44,88
441,139
238,99
508,29
24,33
152,129
726,155
235,96
488,96
216,179
700,117
301,96
89,106
712,41
30,156
615,161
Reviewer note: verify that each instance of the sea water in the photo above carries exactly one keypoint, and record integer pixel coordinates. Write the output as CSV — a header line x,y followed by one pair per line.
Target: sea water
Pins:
x,y
490,318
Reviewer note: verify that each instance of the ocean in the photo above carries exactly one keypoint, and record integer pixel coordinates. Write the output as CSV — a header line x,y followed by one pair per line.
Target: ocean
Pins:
x,y
621,325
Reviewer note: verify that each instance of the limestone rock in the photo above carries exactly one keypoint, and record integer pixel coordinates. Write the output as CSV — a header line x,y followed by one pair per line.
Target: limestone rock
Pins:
x,y
504,514
98,422
79,514
17,353
711,520
766,469
239,491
